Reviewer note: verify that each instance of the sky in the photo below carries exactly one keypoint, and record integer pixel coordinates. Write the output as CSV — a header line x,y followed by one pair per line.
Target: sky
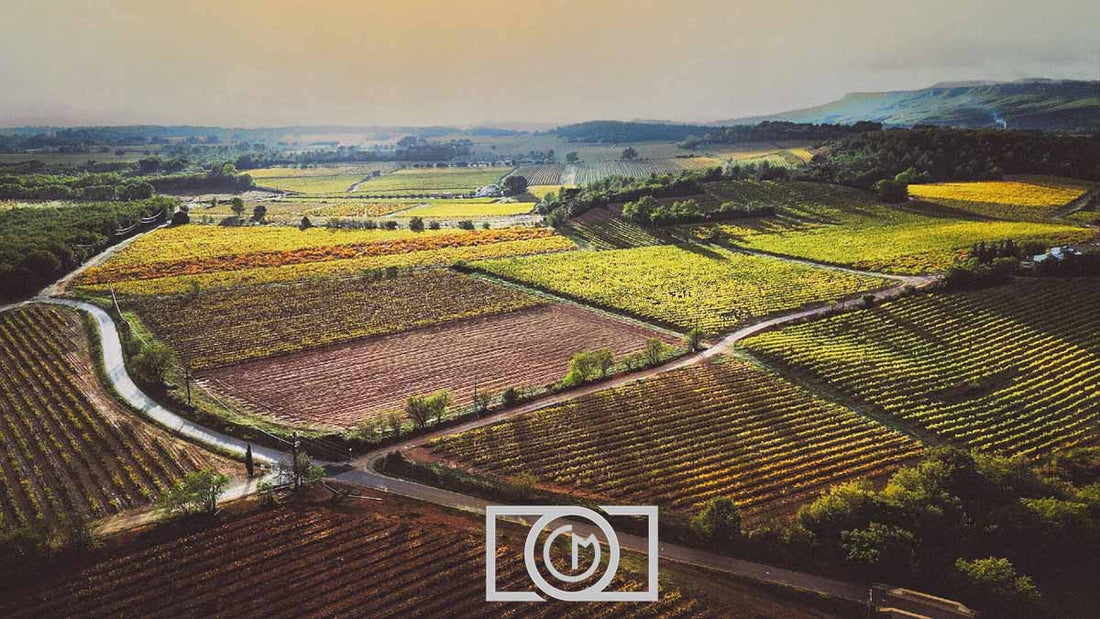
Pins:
x,y
255,63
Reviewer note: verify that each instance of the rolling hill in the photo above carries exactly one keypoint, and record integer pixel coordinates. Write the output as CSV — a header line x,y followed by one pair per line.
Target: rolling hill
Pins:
x,y
1023,104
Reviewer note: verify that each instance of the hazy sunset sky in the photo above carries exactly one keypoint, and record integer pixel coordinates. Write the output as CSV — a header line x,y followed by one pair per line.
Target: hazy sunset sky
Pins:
x,y
415,62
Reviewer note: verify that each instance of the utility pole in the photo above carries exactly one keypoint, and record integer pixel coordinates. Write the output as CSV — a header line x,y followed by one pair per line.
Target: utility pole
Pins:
x,y
187,380
294,475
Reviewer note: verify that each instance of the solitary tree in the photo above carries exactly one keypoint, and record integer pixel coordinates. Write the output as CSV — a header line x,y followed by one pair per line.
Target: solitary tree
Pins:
x,y
259,212
693,338
199,491
515,185
629,154
416,224
418,410
152,363
654,351
719,522
249,465
572,157
237,206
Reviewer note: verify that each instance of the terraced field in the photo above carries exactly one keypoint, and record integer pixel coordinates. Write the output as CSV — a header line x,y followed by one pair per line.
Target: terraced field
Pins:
x,y
720,428
601,228
263,321
705,286
1026,197
1013,369
844,226
69,450
393,560
338,386
416,181
180,259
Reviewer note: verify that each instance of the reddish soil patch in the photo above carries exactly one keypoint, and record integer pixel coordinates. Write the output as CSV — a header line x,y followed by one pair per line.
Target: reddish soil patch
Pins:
x,y
341,385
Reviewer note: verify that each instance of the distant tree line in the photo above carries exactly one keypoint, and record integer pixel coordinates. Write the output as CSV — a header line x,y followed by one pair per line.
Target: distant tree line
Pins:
x,y
932,154
40,244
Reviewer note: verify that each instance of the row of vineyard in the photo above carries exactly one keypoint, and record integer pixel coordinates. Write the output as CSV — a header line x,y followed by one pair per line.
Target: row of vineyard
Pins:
x,y
276,319
683,287
601,229
1013,369
545,174
65,454
168,261
716,429
331,563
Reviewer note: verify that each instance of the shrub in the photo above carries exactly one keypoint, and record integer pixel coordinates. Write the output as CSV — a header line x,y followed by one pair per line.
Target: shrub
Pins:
x,y
510,396
718,523
305,223
433,225
180,218
993,585
655,351
693,338
466,224
390,225
151,364
416,224
892,191
199,491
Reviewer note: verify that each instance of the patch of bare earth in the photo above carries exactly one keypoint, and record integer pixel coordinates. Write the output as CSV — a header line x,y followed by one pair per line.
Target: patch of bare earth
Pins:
x,y
341,385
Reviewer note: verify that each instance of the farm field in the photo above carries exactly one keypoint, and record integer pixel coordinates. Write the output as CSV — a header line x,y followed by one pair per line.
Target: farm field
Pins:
x,y
602,228
1013,369
179,259
705,286
386,557
543,174
839,225
341,385
316,180
292,210
275,319
416,181
1015,198
71,452
721,428
473,209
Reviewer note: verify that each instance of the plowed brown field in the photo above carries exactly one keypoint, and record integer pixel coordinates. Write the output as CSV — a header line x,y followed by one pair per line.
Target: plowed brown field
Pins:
x,y
341,385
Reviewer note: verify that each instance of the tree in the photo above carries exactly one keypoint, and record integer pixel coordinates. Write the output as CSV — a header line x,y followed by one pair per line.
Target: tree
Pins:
x,y
641,210
416,224
152,363
199,491
418,410
603,359
693,338
438,403
892,191
629,154
880,549
655,351
515,185
510,397
572,157
180,218
993,585
259,212
482,401
719,522
307,224
249,465
301,471
237,206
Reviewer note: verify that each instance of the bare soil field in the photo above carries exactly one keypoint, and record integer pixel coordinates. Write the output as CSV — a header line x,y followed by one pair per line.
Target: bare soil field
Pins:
x,y
342,385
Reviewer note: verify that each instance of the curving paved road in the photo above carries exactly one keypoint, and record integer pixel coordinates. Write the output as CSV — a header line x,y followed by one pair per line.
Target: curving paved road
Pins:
x,y
364,473
116,372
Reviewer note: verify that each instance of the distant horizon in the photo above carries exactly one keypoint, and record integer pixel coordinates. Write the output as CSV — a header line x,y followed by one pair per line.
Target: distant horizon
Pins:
x,y
277,63
540,125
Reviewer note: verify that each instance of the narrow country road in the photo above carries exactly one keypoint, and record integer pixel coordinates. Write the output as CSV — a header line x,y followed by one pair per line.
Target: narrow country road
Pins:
x,y
364,474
